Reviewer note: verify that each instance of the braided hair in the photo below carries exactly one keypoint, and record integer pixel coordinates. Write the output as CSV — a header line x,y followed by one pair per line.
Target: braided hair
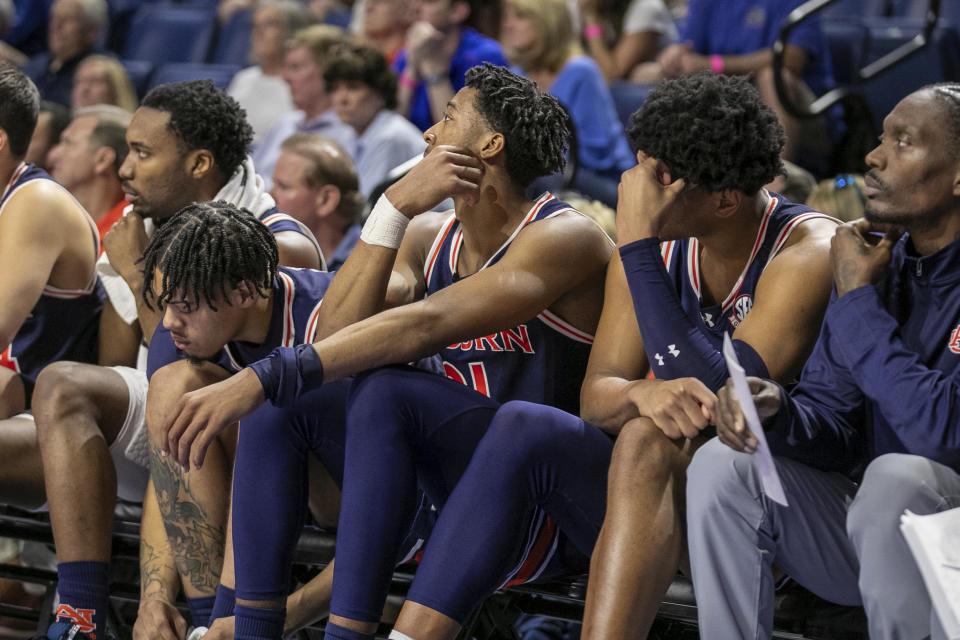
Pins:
x,y
534,124
205,250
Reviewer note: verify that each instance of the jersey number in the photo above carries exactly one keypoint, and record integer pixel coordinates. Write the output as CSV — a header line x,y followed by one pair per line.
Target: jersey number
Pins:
x,y
478,376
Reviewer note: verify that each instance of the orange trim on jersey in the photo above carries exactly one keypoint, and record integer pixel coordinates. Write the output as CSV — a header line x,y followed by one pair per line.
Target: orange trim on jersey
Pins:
x,y
563,327
434,252
790,226
288,328
666,251
455,248
761,233
311,331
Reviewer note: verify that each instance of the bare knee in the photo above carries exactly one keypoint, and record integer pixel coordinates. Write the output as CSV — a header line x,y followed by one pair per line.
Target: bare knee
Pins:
x,y
60,397
168,385
643,455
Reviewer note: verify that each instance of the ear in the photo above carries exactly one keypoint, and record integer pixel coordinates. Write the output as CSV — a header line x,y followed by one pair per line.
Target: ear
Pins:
x,y
459,11
4,141
199,163
328,199
956,180
491,144
245,295
103,161
728,201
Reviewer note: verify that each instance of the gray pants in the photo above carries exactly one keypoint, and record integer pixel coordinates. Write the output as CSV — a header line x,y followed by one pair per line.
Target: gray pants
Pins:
x,y
838,541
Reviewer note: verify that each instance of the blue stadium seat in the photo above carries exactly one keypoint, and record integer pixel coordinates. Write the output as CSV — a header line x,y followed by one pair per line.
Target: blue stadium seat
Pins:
x,y
949,10
853,9
139,72
938,61
221,74
628,97
233,40
163,34
846,42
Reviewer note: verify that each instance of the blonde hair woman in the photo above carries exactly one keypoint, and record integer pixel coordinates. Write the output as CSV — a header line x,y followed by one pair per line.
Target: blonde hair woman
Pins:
x,y
102,80
538,37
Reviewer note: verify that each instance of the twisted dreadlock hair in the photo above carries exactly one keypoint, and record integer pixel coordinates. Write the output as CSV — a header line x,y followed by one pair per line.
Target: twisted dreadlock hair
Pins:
x,y
205,250
534,124
712,130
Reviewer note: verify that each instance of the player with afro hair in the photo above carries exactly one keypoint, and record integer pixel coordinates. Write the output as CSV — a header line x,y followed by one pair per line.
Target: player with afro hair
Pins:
x,y
712,130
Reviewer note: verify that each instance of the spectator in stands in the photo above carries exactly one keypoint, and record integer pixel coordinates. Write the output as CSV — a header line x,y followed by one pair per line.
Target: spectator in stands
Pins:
x,y
8,52
760,270
303,67
188,143
260,89
87,160
841,196
49,294
51,121
364,93
737,38
439,50
315,182
879,390
385,24
72,33
28,28
539,38
102,80
622,34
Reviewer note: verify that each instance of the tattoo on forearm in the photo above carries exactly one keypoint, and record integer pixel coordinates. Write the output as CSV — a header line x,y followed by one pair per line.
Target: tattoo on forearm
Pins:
x,y
196,543
154,565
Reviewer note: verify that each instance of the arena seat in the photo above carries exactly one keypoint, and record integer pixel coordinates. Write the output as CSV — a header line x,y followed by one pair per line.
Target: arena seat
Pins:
x,y
233,40
162,34
938,61
846,41
221,74
139,72
627,98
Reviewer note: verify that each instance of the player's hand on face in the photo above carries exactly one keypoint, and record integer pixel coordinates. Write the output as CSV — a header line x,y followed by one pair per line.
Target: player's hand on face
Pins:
x,y
445,172
125,243
859,257
221,629
680,408
159,620
644,198
201,415
731,426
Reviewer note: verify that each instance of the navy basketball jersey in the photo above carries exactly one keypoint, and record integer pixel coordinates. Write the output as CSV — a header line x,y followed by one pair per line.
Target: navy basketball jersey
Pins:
x,y
542,360
63,323
297,294
682,260
277,221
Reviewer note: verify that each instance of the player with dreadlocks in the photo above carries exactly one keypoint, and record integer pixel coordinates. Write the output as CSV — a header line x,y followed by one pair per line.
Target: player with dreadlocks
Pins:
x,y
189,143
507,291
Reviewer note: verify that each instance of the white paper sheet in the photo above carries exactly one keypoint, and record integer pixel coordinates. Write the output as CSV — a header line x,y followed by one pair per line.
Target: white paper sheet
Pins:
x,y
934,541
763,459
